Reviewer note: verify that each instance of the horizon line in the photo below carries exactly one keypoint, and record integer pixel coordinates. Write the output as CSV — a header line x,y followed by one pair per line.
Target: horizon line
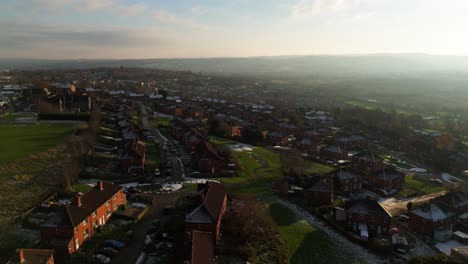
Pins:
x,y
253,56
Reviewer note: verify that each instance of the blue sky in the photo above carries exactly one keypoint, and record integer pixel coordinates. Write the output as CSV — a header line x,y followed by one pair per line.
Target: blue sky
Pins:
x,y
167,29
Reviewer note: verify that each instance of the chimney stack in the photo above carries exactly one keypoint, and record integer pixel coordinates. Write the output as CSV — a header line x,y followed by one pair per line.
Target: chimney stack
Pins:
x,y
78,199
21,256
101,185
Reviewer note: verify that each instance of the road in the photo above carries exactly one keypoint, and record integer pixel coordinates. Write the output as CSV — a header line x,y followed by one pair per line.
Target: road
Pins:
x,y
177,171
135,246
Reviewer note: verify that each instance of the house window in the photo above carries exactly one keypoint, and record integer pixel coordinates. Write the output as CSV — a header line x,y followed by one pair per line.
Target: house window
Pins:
x,y
85,222
76,229
107,203
361,217
94,214
115,207
108,212
114,197
85,233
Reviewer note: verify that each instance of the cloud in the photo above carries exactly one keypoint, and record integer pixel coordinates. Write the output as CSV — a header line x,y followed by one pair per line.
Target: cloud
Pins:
x,y
117,6
166,17
308,7
25,38
358,17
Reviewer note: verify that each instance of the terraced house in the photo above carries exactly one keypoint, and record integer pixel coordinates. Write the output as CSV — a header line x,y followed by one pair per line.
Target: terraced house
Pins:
x,y
71,225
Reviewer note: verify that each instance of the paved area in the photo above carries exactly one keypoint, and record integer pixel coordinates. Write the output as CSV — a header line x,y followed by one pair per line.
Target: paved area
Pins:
x,y
135,246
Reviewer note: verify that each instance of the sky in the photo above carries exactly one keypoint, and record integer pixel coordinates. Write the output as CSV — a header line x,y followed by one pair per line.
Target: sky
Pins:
x,y
86,29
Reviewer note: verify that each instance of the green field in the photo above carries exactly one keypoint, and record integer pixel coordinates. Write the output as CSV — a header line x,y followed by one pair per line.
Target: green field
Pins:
x,y
312,167
259,170
420,186
305,243
18,141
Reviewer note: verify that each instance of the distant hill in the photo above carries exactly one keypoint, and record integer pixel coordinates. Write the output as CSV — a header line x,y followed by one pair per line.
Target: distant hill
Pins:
x,y
278,66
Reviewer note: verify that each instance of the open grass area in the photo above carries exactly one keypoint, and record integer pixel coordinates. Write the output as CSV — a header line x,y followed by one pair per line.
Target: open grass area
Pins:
x,y
313,167
221,141
259,169
162,122
397,162
83,188
414,184
153,156
19,141
305,243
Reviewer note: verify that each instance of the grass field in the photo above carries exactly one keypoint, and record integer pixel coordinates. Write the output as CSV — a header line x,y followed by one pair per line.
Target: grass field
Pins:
x,y
420,186
18,141
259,169
312,167
305,243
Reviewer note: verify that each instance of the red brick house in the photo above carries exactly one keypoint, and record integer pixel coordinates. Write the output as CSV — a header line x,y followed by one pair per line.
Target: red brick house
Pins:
x,y
71,225
333,152
208,158
307,145
207,217
202,248
352,142
276,138
387,181
367,162
133,161
320,193
347,181
33,256
367,215
434,220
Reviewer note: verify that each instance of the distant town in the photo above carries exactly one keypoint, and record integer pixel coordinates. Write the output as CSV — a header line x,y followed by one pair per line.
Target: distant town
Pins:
x,y
133,165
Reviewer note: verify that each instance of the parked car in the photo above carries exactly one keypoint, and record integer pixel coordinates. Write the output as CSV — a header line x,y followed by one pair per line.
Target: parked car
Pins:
x,y
108,251
403,218
157,172
101,258
195,174
113,244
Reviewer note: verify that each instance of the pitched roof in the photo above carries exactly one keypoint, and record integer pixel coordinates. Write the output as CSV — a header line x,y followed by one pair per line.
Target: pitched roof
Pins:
x,y
90,201
368,155
210,210
319,186
214,200
455,199
33,256
366,206
389,174
139,148
202,248
333,148
344,174
433,212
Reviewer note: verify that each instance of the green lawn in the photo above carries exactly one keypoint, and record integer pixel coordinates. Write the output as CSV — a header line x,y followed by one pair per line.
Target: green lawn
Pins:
x,y
153,156
18,141
305,243
83,188
420,186
313,167
162,122
258,171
